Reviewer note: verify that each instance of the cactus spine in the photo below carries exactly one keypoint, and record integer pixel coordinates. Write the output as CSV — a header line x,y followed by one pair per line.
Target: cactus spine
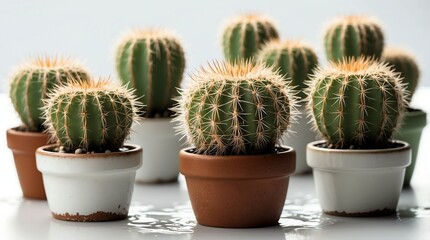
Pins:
x,y
235,108
353,36
405,64
152,62
94,116
245,35
295,60
32,82
356,103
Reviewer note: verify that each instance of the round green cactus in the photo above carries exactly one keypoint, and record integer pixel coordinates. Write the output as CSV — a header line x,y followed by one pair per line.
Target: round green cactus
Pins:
x,y
295,60
353,36
356,103
235,108
152,62
34,80
243,36
92,116
405,64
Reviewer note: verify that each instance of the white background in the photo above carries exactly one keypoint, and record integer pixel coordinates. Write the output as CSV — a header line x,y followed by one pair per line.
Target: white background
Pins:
x,y
89,29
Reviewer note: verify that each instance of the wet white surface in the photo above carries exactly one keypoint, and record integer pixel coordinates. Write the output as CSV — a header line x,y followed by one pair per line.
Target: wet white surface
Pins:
x,y
164,211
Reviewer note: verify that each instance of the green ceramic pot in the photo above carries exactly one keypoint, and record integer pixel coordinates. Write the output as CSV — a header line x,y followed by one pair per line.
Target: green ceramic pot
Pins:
x,y
414,122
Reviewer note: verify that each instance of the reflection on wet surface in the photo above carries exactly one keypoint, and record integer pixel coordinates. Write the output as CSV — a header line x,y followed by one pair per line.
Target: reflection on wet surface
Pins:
x,y
303,213
414,212
177,220
299,214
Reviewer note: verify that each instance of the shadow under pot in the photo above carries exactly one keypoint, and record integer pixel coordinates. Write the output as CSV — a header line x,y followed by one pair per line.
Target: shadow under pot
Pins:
x,y
414,121
89,187
237,191
23,145
358,182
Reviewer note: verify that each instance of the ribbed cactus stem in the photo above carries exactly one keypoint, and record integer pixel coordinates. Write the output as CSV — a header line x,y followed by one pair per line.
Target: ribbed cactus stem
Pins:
x,y
152,62
356,103
244,35
405,64
294,59
93,116
34,79
353,36
235,108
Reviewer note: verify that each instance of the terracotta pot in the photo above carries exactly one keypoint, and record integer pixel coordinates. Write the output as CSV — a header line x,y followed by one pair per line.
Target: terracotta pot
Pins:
x,y
23,146
89,187
358,182
414,121
237,191
160,162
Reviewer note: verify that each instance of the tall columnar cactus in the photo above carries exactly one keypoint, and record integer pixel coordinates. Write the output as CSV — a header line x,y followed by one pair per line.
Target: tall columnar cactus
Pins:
x,y
93,116
356,103
405,64
152,62
243,36
294,59
32,82
235,108
353,36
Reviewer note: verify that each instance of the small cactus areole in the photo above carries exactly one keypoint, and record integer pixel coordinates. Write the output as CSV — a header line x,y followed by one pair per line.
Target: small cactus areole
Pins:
x,y
235,108
353,36
294,59
356,103
91,116
405,64
152,62
243,36
32,82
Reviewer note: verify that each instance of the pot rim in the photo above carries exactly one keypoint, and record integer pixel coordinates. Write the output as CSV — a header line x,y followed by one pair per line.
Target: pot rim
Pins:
x,y
414,118
71,164
43,151
15,131
257,166
358,159
313,146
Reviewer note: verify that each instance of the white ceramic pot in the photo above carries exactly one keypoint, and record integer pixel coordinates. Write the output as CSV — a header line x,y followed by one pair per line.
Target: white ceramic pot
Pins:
x,y
161,146
358,182
299,139
89,187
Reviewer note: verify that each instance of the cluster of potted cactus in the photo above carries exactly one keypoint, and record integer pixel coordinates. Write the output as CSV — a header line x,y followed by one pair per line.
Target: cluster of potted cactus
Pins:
x,y
357,103
235,115
30,84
